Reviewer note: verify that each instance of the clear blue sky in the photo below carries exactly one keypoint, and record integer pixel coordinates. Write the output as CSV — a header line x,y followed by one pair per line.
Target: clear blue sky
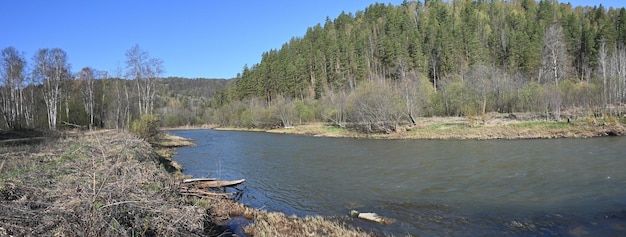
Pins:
x,y
195,38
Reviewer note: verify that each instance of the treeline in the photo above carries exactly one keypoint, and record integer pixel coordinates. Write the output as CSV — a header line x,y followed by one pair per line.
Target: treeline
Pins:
x,y
389,63
44,93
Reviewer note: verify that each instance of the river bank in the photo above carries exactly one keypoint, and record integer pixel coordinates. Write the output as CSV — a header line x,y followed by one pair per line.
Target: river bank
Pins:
x,y
491,126
104,183
109,183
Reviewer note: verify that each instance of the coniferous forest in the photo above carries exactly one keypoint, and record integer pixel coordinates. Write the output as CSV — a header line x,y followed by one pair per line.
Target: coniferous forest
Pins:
x,y
438,58
385,65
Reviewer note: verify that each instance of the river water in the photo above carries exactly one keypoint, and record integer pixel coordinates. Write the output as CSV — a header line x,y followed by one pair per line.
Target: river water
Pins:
x,y
568,187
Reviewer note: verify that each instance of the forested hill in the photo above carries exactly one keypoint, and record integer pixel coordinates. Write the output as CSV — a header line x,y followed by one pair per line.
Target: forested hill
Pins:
x,y
183,101
442,41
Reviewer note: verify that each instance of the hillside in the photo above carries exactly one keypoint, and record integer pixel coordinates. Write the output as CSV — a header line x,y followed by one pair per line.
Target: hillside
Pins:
x,y
442,41
387,65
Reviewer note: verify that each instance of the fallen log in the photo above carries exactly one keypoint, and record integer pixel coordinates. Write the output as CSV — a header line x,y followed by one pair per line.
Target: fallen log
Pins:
x,y
217,183
198,180
73,125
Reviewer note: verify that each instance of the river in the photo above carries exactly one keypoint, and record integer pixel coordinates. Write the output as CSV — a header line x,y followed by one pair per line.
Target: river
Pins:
x,y
432,188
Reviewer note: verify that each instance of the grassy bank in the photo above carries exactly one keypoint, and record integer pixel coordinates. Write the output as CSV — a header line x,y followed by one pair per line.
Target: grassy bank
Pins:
x,y
494,126
92,184
110,183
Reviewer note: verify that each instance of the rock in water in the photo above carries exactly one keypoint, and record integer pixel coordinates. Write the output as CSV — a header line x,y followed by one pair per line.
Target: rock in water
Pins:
x,y
370,216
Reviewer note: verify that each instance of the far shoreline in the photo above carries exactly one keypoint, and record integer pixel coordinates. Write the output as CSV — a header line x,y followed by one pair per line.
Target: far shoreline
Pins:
x,y
462,128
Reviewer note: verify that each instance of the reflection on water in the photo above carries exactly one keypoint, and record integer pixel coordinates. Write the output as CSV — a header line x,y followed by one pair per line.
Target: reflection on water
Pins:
x,y
523,187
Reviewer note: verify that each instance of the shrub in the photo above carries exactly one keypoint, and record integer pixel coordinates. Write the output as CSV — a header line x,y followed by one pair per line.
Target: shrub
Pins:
x,y
147,127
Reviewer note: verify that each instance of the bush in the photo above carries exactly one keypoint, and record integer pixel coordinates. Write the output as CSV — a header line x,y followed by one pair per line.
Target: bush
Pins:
x,y
147,127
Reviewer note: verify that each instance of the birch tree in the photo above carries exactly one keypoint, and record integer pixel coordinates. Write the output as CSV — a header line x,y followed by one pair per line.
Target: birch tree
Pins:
x,y
617,72
602,70
121,110
86,78
51,68
480,78
144,70
12,87
554,54
415,93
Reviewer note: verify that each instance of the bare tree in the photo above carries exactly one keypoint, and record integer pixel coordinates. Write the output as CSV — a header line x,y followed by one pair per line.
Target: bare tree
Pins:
x,y
377,107
12,84
617,73
621,72
554,54
30,103
51,68
103,76
86,78
335,107
119,113
285,110
481,79
415,92
602,69
144,71
554,98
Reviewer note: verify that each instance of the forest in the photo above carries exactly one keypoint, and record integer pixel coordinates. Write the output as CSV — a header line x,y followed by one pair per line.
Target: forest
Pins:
x,y
389,64
378,68
45,94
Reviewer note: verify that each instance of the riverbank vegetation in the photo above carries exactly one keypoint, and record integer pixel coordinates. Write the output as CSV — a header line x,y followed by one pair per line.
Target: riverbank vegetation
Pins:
x,y
490,126
110,183
378,70
92,184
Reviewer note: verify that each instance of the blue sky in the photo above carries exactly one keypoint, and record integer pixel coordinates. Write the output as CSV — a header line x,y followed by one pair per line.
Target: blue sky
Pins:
x,y
195,38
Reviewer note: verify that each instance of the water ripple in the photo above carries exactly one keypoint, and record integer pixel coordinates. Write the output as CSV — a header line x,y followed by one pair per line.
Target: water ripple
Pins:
x,y
460,188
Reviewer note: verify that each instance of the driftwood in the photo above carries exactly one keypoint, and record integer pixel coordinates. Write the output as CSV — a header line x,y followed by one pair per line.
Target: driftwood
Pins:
x,y
216,183
199,187
370,216
198,180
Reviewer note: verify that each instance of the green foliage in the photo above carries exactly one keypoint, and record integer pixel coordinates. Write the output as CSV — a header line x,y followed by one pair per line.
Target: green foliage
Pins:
x,y
306,110
438,39
147,127
427,58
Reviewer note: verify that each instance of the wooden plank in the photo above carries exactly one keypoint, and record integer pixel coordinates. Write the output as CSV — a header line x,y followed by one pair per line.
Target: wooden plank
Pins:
x,y
218,183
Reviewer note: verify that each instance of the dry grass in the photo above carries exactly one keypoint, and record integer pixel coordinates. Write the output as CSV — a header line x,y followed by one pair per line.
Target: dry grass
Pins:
x,y
502,128
264,223
105,184
109,183
170,141
191,127
490,126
